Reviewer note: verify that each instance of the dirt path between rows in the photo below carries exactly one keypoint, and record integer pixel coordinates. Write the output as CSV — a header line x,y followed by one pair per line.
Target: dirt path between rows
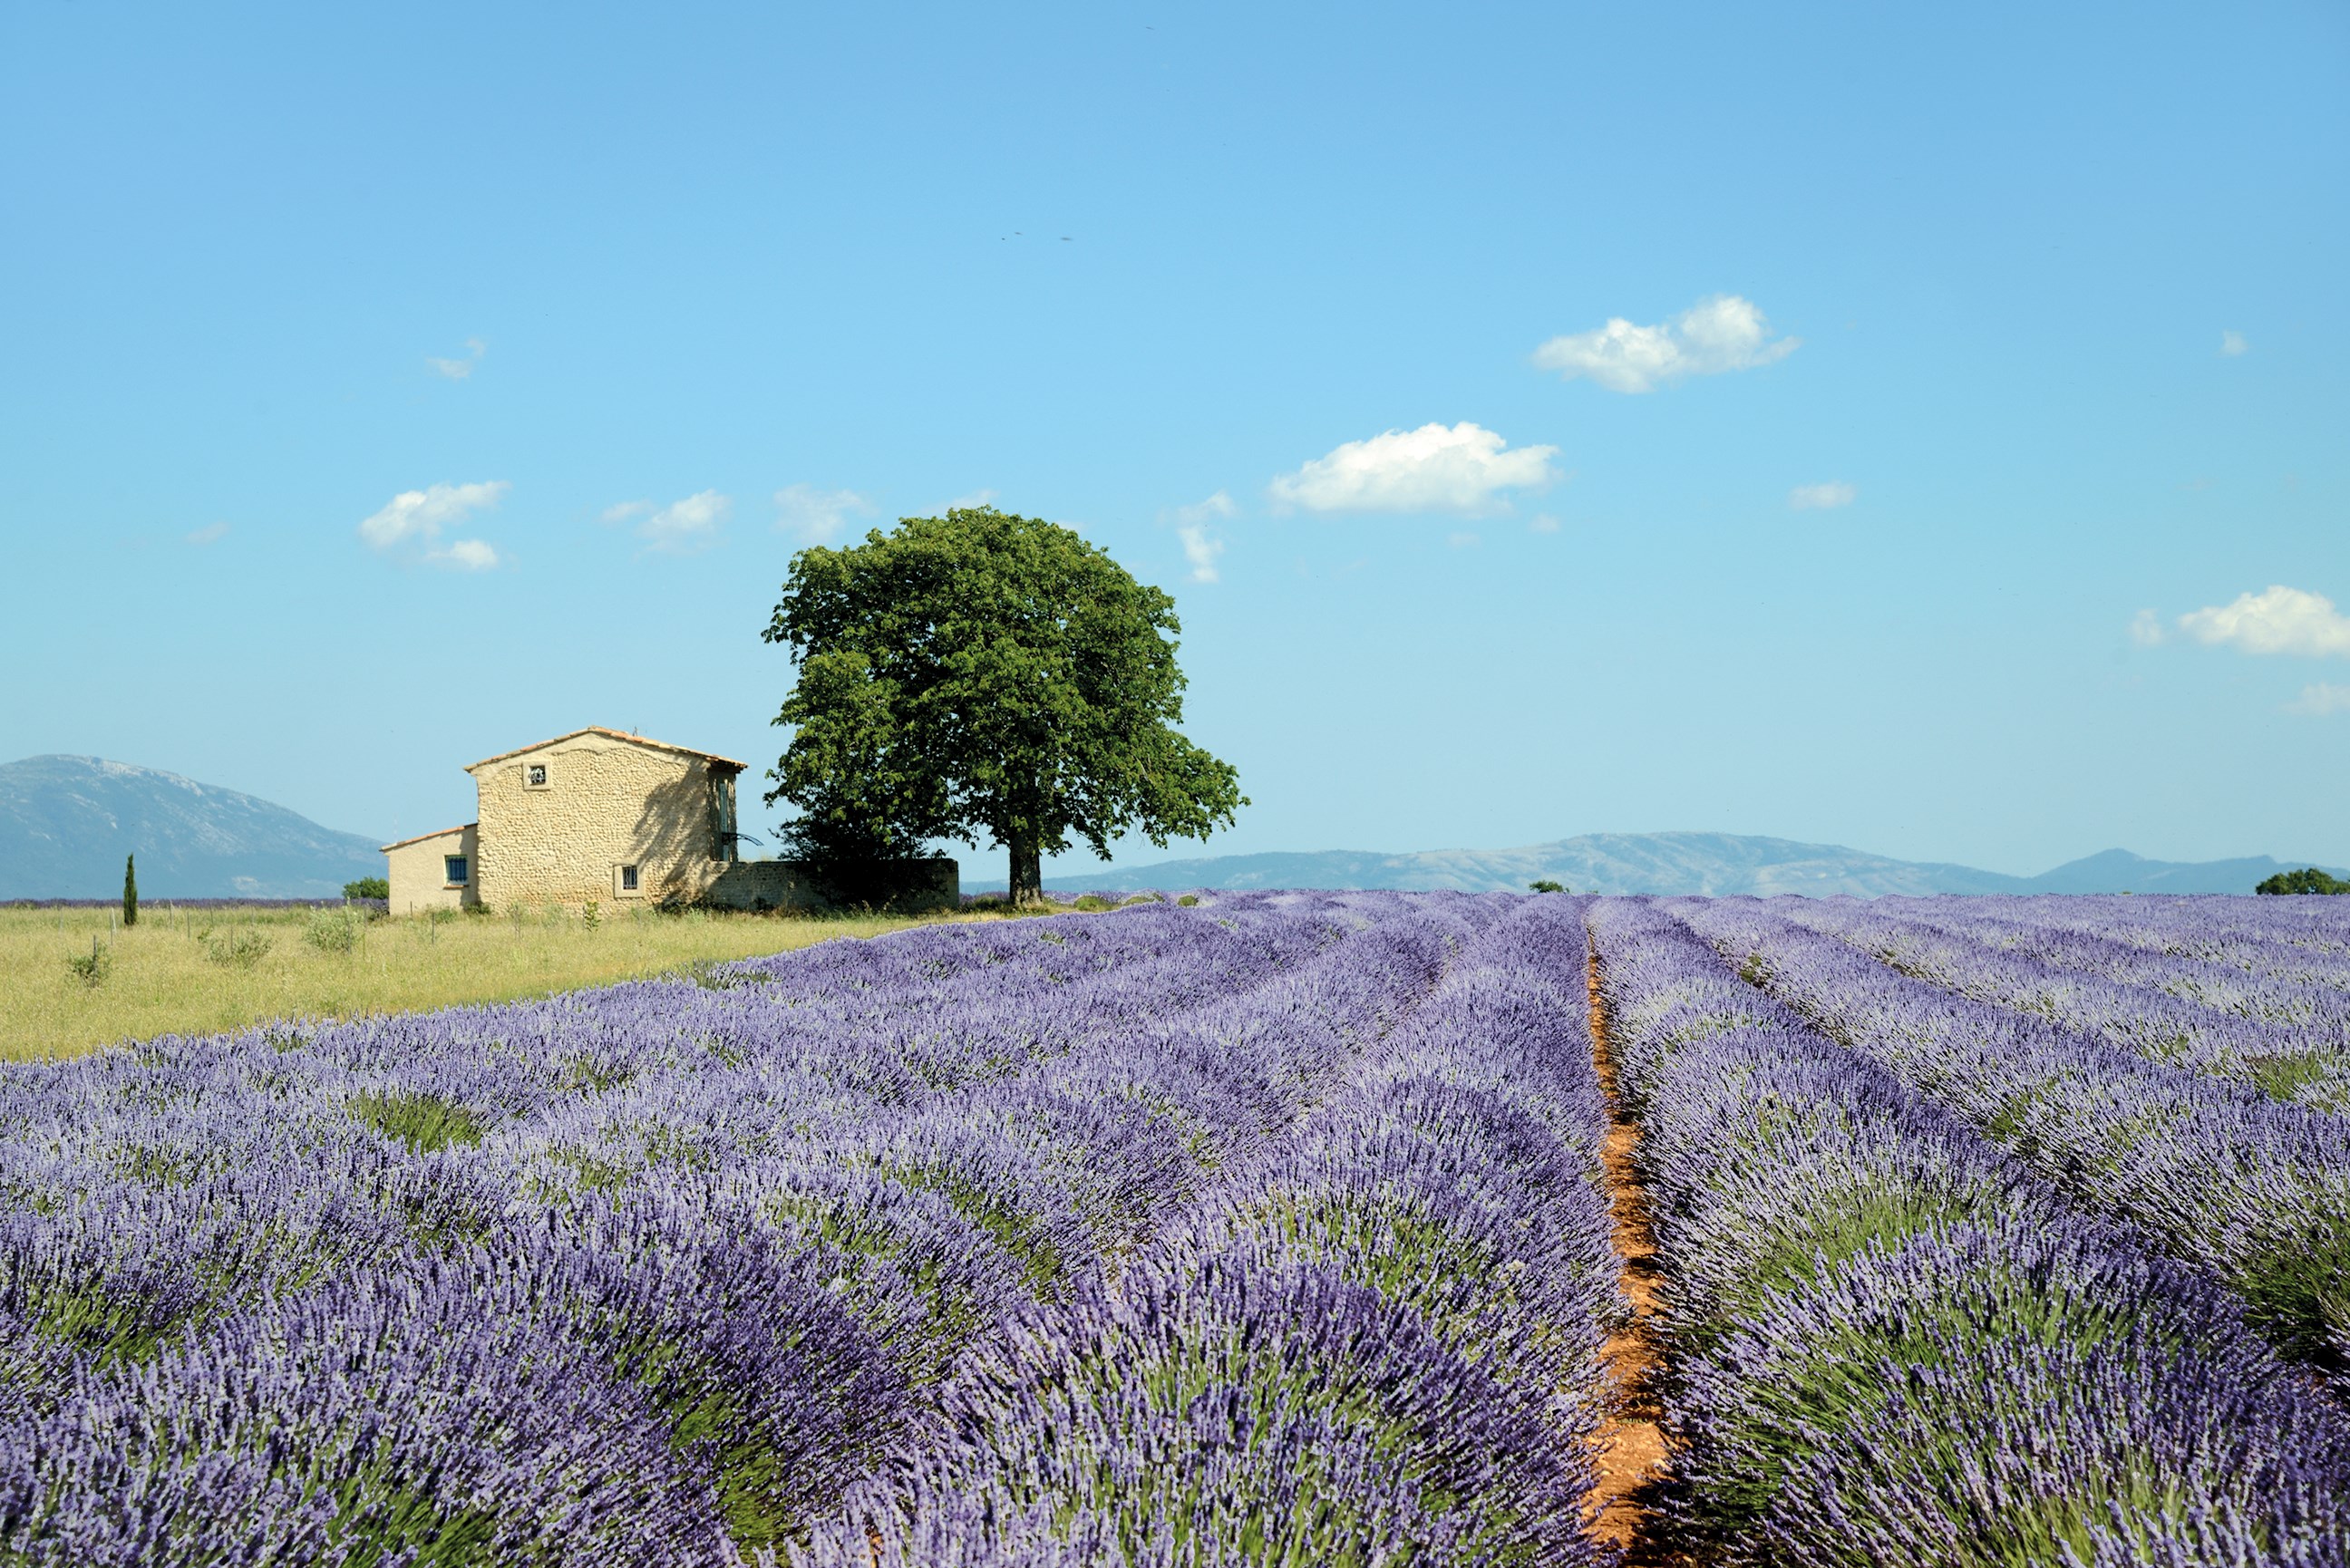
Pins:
x,y
1631,1448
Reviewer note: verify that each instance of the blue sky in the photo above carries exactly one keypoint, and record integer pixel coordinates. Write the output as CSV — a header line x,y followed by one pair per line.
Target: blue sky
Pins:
x,y
1974,376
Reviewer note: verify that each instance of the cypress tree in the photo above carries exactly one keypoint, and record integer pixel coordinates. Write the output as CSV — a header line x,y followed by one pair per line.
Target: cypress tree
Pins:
x,y
130,889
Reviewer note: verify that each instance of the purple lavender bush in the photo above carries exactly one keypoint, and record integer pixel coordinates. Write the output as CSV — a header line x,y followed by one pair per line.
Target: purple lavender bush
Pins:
x,y
1891,1342
1241,1408
2251,1192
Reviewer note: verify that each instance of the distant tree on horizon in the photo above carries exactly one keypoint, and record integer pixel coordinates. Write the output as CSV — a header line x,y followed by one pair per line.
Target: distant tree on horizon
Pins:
x,y
2308,880
983,674
131,891
1545,885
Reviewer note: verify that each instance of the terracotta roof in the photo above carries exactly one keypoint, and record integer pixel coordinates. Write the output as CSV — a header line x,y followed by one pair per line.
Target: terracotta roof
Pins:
x,y
613,734
436,833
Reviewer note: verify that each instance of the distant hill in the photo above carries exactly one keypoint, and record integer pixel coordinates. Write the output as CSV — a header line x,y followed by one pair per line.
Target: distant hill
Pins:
x,y
65,823
1715,862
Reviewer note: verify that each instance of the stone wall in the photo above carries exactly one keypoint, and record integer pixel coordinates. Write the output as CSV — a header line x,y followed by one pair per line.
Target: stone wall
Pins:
x,y
934,884
608,801
418,871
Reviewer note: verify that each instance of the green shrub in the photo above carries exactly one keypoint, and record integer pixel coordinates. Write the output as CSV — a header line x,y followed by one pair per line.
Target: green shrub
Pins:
x,y
1545,885
1189,899
93,968
335,930
2308,880
368,887
240,947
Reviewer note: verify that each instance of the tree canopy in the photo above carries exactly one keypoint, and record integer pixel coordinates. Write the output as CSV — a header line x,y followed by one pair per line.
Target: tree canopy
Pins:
x,y
2309,880
983,674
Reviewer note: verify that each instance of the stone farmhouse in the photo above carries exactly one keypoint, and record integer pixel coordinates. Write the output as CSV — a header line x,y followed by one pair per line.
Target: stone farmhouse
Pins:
x,y
603,816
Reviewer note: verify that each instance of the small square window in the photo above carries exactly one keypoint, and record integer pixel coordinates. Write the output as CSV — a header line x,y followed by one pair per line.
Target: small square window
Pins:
x,y
455,865
535,776
627,879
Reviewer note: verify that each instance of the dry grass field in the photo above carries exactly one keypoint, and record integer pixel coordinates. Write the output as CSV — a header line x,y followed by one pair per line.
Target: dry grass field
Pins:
x,y
204,970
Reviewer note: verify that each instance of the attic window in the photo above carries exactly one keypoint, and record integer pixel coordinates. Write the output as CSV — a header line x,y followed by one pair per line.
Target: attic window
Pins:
x,y
535,776
455,867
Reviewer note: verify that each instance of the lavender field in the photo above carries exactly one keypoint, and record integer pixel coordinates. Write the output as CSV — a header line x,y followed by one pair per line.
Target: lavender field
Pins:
x,y
1287,1228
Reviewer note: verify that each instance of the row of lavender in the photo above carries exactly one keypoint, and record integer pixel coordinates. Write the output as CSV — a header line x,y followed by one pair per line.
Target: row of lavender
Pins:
x,y
1896,1344
2219,991
2252,1193
1376,1341
666,1272
275,1291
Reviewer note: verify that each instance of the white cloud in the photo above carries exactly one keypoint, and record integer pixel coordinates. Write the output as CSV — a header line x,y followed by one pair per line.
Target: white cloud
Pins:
x,y
2232,344
1200,548
1543,523
420,514
1463,468
818,516
458,369
2145,629
2281,620
629,510
1460,539
210,533
1723,333
2320,700
465,554
977,498
1821,497
685,527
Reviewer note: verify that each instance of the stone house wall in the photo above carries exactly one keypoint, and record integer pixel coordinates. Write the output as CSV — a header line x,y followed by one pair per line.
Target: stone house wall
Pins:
x,y
563,819
419,871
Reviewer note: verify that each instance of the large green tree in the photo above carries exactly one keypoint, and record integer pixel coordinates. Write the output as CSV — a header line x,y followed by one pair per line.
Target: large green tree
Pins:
x,y
983,674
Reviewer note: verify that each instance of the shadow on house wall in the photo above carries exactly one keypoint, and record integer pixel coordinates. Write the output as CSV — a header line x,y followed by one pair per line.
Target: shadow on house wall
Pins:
x,y
675,839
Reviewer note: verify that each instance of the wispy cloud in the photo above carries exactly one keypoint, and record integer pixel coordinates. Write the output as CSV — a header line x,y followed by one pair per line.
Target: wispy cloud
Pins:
x,y
684,527
975,499
2145,629
2232,344
1723,333
2321,698
1462,539
628,511
1462,467
816,516
1215,506
1200,548
465,554
1822,497
2280,620
458,369
416,518
1542,523
210,533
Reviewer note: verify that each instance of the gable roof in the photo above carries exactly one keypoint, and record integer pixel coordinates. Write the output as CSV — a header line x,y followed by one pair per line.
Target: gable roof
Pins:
x,y
612,736
436,833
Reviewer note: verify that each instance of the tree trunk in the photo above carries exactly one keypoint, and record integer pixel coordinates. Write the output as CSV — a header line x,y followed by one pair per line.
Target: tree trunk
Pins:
x,y
1027,869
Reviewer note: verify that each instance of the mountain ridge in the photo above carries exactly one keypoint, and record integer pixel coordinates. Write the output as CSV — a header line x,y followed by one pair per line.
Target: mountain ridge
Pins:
x,y
1718,864
66,822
